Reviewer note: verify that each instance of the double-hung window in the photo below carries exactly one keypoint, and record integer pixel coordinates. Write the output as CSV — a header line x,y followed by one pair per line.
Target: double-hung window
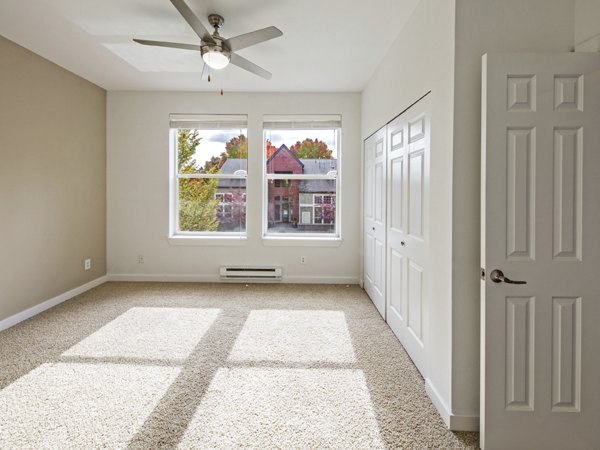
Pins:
x,y
208,180
302,167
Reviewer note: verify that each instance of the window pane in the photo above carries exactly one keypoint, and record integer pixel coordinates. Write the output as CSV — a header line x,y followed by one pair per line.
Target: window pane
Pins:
x,y
211,151
210,205
301,205
297,207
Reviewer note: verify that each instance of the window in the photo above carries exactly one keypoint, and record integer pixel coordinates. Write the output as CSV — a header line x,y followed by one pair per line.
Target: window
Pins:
x,y
208,191
301,175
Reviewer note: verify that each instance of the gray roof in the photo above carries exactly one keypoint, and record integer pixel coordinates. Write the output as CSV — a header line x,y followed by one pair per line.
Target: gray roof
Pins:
x,y
311,167
229,167
318,167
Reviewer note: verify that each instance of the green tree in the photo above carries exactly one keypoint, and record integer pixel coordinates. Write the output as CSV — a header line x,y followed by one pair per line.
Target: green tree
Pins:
x,y
197,203
187,142
311,149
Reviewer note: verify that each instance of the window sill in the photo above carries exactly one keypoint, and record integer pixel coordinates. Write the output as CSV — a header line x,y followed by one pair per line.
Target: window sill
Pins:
x,y
288,241
207,240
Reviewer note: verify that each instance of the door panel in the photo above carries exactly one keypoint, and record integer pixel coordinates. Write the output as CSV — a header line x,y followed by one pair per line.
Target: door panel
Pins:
x,y
396,304
407,229
520,315
379,186
369,261
415,300
396,194
416,162
566,354
540,215
520,184
567,194
375,219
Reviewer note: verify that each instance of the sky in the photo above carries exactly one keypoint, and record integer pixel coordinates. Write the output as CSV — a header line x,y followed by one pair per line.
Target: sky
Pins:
x,y
213,142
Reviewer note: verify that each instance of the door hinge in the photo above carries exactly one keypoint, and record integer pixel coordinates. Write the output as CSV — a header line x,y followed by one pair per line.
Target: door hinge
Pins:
x,y
482,273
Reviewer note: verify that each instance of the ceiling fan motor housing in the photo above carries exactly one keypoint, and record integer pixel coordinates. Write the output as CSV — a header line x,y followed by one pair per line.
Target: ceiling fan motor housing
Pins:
x,y
217,52
207,49
219,48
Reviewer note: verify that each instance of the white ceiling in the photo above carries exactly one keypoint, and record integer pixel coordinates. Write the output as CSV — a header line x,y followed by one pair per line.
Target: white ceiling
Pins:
x,y
327,45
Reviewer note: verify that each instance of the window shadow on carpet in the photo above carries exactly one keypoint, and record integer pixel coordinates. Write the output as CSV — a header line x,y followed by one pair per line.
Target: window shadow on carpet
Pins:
x,y
222,366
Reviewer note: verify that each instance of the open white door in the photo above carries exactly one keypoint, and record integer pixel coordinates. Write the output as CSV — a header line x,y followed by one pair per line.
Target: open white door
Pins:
x,y
540,347
374,219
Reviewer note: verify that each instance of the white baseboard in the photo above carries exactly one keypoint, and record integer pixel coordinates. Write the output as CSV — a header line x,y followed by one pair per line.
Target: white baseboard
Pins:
x,y
320,280
454,422
216,279
41,307
460,422
163,278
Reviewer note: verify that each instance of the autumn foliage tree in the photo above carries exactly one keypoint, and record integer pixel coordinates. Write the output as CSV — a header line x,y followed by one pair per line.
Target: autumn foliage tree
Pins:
x,y
236,148
311,149
270,149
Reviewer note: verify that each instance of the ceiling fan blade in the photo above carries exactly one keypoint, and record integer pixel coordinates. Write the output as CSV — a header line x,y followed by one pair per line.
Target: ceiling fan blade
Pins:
x,y
254,37
192,20
168,44
243,63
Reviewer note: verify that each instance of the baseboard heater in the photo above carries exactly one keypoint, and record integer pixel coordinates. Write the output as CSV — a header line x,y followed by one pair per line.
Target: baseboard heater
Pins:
x,y
241,273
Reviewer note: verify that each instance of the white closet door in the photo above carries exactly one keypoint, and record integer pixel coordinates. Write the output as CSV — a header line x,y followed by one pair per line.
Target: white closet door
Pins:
x,y
407,220
374,219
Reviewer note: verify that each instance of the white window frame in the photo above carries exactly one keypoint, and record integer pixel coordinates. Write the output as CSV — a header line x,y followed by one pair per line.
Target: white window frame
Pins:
x,y
201,122
303,122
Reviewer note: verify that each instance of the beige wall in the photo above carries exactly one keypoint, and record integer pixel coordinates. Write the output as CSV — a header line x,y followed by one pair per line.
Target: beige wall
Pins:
x,y
484,26
52,180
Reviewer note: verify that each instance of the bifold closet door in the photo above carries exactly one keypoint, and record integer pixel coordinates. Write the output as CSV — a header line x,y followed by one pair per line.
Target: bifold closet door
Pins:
x,y
407,217
374,219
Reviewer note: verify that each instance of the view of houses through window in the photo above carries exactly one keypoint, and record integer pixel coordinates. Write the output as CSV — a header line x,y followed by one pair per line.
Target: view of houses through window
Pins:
x,y
301,169
301,155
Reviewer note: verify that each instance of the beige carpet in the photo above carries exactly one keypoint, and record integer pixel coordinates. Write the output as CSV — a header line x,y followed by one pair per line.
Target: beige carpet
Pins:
x,y
157,365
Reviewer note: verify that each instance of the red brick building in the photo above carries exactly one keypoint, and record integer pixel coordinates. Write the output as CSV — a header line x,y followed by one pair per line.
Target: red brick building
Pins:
x,y
306,204
283,195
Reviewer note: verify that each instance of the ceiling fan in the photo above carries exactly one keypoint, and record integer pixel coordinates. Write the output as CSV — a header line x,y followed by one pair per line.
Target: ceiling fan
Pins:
x,y
216,51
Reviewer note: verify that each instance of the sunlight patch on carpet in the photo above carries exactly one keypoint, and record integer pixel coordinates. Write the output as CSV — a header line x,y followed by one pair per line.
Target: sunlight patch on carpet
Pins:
x,y
166,334
80,405
294,337
285,408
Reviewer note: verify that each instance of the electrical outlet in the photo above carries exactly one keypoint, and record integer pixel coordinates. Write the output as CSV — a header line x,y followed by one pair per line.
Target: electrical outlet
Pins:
x,y
140,259
87,264
303,260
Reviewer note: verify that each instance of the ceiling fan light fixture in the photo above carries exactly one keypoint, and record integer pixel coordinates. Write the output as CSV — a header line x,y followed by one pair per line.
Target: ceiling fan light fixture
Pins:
x,y
216,59
216,52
